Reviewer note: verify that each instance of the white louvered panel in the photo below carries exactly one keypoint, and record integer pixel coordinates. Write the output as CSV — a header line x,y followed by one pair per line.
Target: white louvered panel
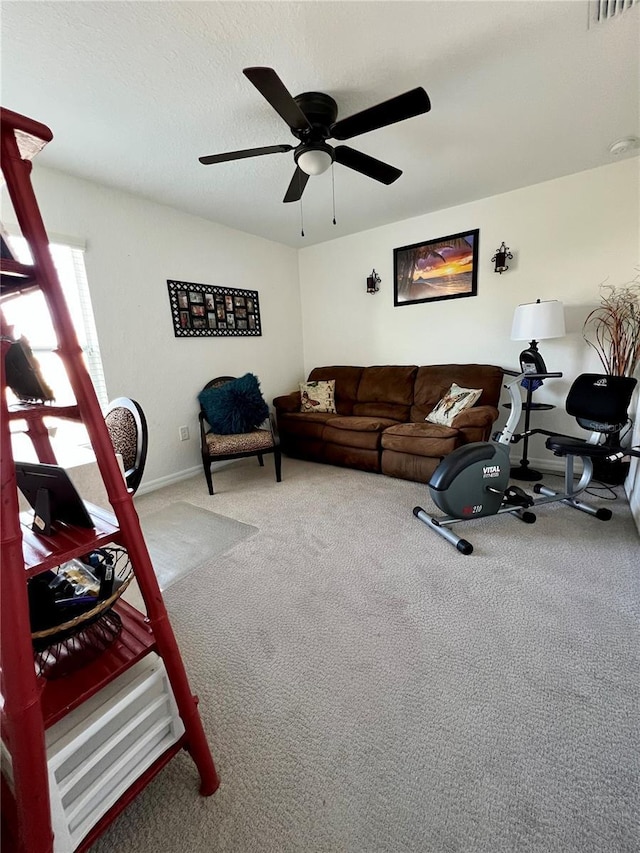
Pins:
x,y
77,773
95,753
115,777
604,10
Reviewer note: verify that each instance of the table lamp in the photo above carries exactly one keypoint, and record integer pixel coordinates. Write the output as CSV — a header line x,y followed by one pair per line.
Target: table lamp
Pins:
x,y
536,321
532,322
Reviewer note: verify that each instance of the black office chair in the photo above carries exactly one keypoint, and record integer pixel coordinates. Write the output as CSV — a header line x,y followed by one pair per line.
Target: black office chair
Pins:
x,y
216,447
599,403
128,431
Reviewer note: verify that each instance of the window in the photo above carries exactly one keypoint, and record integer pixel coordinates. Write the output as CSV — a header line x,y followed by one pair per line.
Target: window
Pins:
x,y
30,317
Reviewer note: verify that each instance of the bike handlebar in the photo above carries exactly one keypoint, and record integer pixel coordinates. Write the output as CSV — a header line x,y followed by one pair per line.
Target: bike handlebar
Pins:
x,y
531,375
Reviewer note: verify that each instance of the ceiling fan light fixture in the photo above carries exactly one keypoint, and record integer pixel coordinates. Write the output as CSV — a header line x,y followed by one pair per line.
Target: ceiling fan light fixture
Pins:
x,y
311,118
314,160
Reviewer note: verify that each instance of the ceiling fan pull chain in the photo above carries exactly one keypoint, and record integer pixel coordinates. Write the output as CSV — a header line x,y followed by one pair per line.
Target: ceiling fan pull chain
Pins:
x,y
333,191
301,215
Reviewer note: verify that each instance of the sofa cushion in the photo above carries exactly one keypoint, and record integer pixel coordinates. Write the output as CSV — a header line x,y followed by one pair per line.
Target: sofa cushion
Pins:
x,y
386,392
433,381
389,411
363,459
388,383
303,424
318,395
356,432
423,439
347,381
361,424
408,466
477,416
456,400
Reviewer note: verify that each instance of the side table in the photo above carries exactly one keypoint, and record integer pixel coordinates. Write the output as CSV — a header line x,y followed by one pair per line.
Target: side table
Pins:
x,y
523,471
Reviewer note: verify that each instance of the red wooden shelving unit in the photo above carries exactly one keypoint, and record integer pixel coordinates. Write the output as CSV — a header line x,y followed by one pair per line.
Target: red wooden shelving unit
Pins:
x,y
32,705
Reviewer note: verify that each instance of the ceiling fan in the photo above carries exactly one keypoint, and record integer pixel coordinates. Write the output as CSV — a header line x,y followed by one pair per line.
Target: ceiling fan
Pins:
x,y
311,117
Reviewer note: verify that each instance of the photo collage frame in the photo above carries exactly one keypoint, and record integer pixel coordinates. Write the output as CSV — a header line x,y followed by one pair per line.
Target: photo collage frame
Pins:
x,y
202,310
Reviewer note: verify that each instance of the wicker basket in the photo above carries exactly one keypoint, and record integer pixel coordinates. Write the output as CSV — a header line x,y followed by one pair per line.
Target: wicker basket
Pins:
x,y
70,645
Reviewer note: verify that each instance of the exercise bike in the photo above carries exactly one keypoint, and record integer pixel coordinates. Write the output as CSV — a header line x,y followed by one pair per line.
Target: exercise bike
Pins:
x,y
473,480
600,403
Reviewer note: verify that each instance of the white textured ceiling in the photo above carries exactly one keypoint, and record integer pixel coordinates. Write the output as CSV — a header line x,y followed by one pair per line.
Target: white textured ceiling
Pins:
x,y
521,92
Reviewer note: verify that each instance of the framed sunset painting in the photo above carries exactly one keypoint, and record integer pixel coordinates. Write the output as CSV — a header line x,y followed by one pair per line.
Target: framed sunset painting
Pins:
x,y
445,268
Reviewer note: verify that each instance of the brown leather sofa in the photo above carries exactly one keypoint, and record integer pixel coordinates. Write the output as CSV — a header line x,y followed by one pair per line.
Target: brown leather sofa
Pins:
x,y
380,421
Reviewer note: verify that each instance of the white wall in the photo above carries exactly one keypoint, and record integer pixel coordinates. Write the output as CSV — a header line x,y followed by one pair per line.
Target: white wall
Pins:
x,y
632,484
133,247
567,236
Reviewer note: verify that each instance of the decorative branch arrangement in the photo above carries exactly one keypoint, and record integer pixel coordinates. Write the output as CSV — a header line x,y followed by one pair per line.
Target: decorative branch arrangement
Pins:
x,y
613,329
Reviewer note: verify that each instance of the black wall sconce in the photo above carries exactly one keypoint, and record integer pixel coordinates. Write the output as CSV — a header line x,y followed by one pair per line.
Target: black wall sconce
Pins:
x,y
373,282
501,257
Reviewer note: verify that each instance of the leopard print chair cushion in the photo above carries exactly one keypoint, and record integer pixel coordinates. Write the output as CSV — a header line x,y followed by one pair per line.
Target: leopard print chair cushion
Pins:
x,y
257,439
123,433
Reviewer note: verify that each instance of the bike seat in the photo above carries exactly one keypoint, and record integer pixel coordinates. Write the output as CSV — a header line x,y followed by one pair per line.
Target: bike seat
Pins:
x,y
564,445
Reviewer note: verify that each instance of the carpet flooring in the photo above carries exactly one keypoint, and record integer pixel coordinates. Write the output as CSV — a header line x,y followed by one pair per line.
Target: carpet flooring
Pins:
x,y
367,689
181,537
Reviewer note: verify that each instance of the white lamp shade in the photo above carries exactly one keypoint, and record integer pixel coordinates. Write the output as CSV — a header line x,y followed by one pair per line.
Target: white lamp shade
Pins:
x,y
536,321
314,161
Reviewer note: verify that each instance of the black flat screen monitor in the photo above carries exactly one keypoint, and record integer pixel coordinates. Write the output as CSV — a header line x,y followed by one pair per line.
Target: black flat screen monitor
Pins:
x,y
52,495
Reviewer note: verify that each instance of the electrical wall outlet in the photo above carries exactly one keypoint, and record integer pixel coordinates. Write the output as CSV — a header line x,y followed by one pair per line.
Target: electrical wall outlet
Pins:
x,y
183,432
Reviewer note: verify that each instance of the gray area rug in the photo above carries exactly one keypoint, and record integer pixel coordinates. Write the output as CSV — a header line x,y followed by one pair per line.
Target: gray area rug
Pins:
x,y
182,537
365,688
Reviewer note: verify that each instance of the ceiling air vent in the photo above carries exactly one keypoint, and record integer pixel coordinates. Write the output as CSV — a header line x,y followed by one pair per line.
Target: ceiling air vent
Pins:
x,y
604,10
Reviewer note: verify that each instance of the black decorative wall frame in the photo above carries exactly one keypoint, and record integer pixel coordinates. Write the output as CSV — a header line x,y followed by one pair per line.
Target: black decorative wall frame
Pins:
x,y
444,268
201,310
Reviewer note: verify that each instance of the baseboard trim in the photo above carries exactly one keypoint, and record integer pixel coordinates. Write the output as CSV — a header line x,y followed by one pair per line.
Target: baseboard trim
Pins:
x,y
160,482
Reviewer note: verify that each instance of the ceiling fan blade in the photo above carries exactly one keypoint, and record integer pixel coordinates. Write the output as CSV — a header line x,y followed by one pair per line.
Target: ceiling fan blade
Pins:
x,y
246,152
273,89
401,107
297,185
368,166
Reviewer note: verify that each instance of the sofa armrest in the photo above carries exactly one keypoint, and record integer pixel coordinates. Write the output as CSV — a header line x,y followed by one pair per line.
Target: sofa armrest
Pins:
x,y
287,402
476,416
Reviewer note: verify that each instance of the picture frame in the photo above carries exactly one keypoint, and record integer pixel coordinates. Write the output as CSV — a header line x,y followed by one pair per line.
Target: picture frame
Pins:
x,y
52,496
204,310
434,270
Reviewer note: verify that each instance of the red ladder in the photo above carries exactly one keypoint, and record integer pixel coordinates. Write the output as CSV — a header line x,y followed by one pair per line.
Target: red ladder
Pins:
x,y
32,704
